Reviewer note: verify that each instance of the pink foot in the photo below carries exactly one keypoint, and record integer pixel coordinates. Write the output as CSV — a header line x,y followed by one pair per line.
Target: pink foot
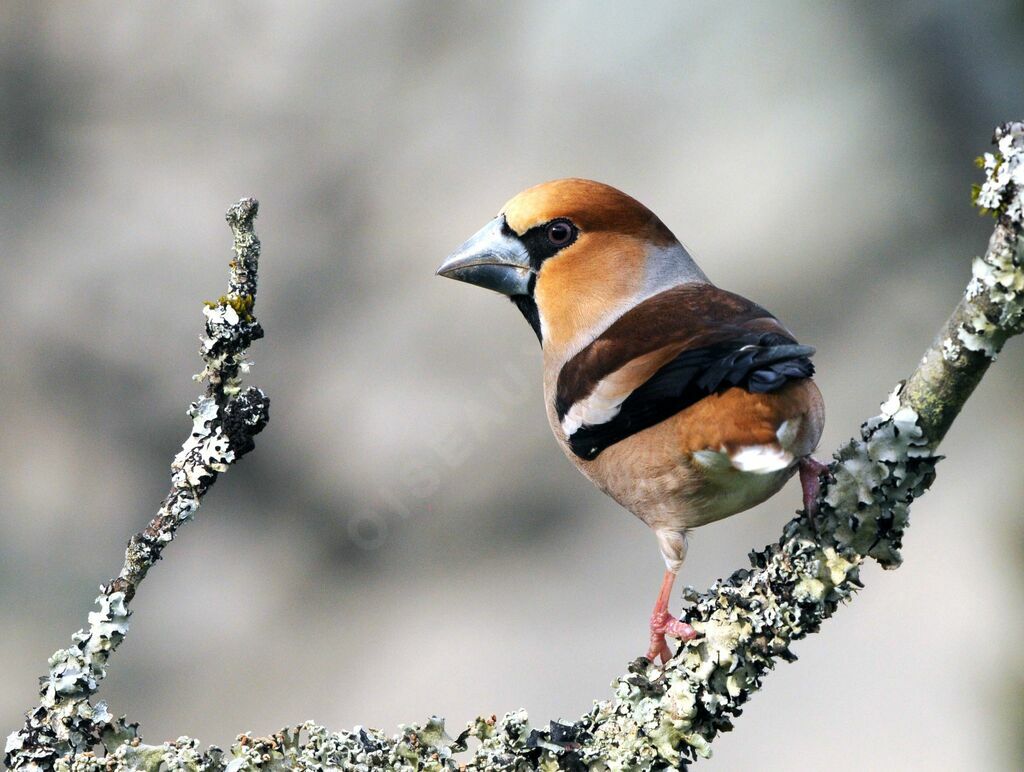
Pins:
x,y
811,471
663,623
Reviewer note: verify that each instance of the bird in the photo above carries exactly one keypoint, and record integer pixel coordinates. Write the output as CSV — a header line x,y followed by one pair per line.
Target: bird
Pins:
x,y
682,401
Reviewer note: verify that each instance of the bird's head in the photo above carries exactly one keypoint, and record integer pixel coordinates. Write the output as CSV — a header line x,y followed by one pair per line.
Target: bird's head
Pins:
x,y
573,255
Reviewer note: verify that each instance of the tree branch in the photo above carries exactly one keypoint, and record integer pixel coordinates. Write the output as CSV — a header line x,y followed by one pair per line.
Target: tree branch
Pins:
x,y
660,717
224,422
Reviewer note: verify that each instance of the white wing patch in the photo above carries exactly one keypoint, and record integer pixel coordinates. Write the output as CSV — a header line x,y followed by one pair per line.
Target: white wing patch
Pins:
x,y
756,459
593,410
605,401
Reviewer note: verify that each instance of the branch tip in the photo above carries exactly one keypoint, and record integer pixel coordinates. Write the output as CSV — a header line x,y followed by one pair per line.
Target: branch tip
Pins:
x,y
242,214
66,725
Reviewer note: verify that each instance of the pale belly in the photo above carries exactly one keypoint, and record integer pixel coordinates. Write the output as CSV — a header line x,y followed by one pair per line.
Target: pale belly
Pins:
x,y
676,492
672,489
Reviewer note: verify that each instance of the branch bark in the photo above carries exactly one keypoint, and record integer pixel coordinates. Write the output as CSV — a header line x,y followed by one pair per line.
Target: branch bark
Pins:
x,y
224,421
659,717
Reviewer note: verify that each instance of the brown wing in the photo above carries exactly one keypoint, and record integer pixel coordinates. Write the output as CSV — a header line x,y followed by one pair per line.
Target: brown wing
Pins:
x,y
669,352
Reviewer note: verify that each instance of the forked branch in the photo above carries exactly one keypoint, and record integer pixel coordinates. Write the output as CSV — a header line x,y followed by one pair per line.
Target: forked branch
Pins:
x,y
660,717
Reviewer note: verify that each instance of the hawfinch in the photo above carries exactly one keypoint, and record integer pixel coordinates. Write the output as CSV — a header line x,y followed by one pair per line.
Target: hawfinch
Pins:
x,y
683,402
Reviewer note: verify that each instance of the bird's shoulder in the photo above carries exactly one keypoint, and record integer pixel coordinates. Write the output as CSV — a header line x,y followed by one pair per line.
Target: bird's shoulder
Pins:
x,y
667,353
652,332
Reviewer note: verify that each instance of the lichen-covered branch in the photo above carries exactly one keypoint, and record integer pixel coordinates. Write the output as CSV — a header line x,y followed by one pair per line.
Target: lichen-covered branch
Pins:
x,y
665,717
224,422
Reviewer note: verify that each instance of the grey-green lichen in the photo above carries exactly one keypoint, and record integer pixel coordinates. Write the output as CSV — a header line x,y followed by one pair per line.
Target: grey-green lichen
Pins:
x,y
997,277
992,308
1003,174
659,717
66,725
231,326
866,508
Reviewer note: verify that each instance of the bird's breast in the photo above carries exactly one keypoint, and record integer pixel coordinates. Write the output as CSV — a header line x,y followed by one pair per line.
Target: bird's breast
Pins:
x,y
683,472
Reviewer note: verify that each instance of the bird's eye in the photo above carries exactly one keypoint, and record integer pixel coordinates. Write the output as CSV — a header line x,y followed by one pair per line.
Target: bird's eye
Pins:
x,y
561,232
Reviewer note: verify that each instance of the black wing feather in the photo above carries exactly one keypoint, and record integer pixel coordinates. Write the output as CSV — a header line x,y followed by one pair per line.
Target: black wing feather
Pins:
x,y
757,362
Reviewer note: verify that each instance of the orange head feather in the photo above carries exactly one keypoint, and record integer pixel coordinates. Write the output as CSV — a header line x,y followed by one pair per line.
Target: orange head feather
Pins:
x,y
574,255
621,253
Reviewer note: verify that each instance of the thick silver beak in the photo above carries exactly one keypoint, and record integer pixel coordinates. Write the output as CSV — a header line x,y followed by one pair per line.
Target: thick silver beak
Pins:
x,y
493,259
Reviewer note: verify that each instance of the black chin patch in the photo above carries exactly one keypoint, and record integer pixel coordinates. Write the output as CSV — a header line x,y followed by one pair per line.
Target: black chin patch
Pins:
x,y
528,307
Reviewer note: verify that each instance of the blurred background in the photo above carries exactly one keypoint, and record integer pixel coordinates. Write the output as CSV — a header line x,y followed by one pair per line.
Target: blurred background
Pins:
x,y
407,539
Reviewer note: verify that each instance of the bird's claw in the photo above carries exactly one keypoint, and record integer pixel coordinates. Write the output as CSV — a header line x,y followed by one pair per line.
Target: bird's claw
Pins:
x,y
659,649
663,624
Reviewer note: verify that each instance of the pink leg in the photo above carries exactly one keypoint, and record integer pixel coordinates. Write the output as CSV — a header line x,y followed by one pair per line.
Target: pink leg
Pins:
x,y
811,471
663,623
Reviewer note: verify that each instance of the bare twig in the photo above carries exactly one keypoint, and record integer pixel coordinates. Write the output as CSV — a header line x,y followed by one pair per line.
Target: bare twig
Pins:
x,y
224,422
660,717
